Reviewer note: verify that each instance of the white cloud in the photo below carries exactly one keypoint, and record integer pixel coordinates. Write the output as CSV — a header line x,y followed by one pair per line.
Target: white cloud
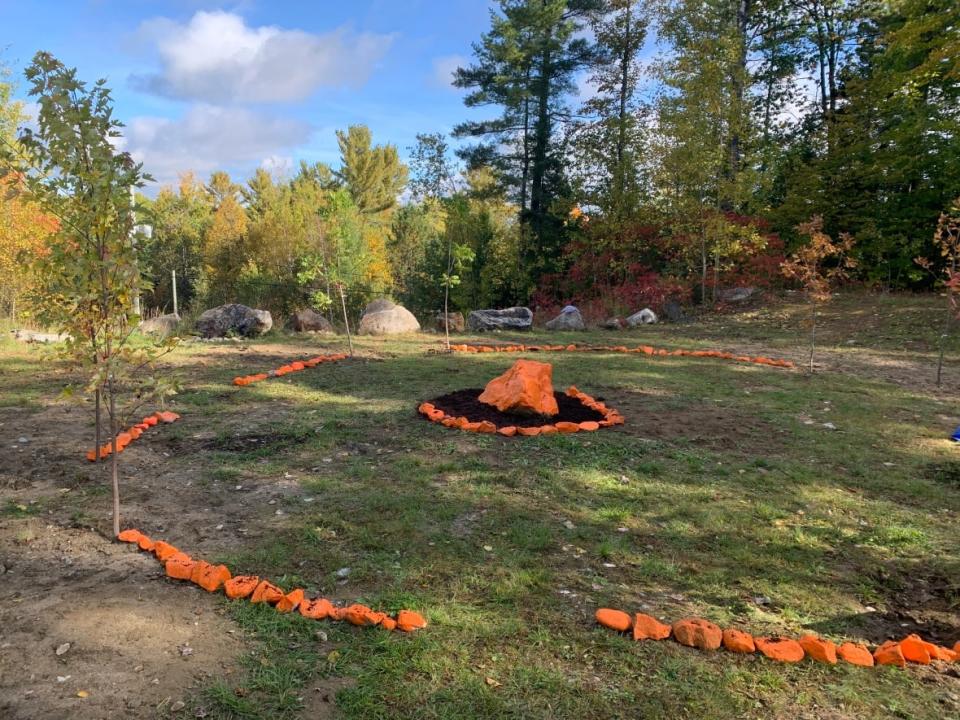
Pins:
x,y
209,138
279,166
444,67
216,57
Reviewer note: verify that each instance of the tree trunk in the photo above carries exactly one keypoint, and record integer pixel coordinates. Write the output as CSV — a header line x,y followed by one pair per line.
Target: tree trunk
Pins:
x,y
346,320
114,470
96,448
446,294
541,142
813,332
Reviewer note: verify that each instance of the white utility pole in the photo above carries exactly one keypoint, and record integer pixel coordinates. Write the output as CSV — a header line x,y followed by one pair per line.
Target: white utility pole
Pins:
x,y
173,273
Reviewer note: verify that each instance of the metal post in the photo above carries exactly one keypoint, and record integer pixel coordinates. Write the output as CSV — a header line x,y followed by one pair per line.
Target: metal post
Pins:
x,y
174,274
133,242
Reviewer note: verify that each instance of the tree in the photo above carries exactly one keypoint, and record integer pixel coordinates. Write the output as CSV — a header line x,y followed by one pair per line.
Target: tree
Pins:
x,y
24,231
373,174
90,274
431,172
946,240
224,251
817,266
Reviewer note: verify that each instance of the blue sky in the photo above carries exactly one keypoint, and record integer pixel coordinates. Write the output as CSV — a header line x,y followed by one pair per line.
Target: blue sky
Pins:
x,y
203,85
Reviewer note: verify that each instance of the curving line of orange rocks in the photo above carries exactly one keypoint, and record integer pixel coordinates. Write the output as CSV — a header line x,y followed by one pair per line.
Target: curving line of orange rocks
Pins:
x,y
642,349
610,417
295,366
702,634
180,566
125,437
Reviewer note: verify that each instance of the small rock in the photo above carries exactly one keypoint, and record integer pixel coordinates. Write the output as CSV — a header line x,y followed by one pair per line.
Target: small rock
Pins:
x,y
23,440
569,525
830,426
178,706
63,678
321,635
343,572
185,650
63,649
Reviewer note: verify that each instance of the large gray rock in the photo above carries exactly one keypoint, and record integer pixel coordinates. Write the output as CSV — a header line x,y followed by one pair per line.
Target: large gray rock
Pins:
x,y
613,323
737,294
568,319
673,311
233,319
309,320
162,325
457,323
32,336
644,317
382,317
514,318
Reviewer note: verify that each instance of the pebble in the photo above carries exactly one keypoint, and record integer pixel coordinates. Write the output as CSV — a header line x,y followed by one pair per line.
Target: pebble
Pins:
x,y
343,572
22,440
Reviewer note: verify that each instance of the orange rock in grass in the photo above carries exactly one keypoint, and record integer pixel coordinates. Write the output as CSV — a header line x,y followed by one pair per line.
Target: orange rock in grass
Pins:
x,y
528,431
738,641
209,577
572,391
820,650
917,650
241,586
135,432
855,654
164,550
266,592
698,633
614,619
548,430
589,426
388,623
179,566
408,621
291,601
780,649
317,609
297,366
646,627
130,536
527,387
486,427
426,408
124,439
166,416
944,654
508,431
145,543
357,614
150,420
889,654
470,426
567,427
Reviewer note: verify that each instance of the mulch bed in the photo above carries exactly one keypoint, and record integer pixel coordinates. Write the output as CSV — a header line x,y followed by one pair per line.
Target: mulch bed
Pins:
x,y
466,403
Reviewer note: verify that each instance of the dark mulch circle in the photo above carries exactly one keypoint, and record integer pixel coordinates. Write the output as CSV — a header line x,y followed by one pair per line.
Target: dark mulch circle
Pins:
x,y
465,403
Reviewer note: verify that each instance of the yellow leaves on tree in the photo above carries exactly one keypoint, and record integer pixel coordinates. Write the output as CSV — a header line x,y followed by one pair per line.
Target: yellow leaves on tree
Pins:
x,y
224,253
24,229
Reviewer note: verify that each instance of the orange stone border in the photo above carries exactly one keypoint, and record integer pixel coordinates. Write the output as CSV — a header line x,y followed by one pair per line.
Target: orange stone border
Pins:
x,y
125,437
180,566
295,366
610,417
641,349
704,635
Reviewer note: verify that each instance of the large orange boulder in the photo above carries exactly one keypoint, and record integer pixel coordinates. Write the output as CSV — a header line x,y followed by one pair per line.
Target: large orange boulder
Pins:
x,y
613,619
526,388
698,633
646,627
738,641
820,650
889,653
855,654
917,650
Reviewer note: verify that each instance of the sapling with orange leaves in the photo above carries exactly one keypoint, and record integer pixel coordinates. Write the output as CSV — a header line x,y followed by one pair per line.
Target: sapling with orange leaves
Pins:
x,y
88,277
946,240
817,267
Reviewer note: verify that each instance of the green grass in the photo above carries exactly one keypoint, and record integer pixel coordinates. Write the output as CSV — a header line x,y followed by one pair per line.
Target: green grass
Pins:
x,y
716,492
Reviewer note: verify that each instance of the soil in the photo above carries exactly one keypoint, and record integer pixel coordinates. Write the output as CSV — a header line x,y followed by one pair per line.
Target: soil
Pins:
x,y
466,403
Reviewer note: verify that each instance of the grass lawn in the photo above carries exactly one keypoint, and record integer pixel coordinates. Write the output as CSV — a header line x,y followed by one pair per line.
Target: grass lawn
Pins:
x,y
754,497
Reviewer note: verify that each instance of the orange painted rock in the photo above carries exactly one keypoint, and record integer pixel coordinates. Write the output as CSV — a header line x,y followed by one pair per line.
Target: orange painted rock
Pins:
x,y
297,366
889,654
646,627
589,426
130,536
486,427
855,654
945,654
179,566
164,551
508,431
290,601
956,647
780,649
145,543
150,420
548,430
388,623
317,609
698,633
820,650
527,388
166,416
241,586
358,615
917,650
209,577
135,432
567,427
408,621
528,431
124,439
738,641
266,592
614,619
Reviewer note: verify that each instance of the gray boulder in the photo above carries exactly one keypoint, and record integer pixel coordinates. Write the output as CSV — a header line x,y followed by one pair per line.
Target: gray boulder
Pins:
x,y
568,319
233,319
162,325
309,320
737,294
644,317
613,323
457,323
514,318
382,317
32,336
673,311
